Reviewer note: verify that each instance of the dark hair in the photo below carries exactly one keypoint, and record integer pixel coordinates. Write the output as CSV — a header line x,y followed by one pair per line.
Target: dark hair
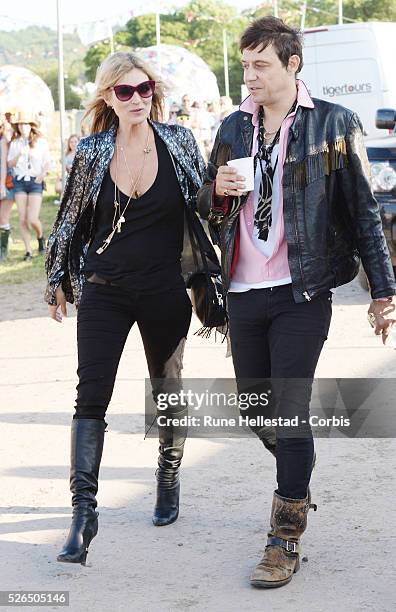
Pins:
x,y
273,31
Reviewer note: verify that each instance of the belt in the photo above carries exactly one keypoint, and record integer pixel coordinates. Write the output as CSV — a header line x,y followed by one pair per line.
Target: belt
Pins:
x,y
94,278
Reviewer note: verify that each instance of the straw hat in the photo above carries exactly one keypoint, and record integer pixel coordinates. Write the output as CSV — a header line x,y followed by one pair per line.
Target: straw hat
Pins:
x,y
25,117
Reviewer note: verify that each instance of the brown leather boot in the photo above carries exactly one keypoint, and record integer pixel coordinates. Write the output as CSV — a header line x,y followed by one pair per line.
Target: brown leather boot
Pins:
x,y
282,553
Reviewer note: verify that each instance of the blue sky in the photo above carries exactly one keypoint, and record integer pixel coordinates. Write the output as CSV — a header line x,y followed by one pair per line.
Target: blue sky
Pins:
x,y
19,13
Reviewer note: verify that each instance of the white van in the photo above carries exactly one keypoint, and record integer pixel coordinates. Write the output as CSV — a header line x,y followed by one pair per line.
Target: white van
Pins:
x,y
353,65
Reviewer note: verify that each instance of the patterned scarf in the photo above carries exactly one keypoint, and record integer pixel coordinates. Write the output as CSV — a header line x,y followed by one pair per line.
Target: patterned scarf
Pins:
x,y
263,215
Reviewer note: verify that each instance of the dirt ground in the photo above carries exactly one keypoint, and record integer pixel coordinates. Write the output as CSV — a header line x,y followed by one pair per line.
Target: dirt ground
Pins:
x,y
203,561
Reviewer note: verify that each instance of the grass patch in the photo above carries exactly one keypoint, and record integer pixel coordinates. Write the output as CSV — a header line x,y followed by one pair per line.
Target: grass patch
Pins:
x,y
14,270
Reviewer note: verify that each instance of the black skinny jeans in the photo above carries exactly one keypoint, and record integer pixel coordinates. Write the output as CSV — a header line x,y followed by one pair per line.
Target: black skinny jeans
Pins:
x,y
273,337
104,318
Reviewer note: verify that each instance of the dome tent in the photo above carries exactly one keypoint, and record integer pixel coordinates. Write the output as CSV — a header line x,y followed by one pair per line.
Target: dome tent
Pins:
x,y
182,72
23,91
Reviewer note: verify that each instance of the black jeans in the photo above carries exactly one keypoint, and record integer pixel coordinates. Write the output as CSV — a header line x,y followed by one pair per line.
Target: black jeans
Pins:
x,y
273,337
104,319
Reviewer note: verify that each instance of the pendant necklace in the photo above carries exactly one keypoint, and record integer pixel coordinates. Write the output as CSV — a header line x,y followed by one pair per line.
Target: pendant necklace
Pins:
x,y
118,217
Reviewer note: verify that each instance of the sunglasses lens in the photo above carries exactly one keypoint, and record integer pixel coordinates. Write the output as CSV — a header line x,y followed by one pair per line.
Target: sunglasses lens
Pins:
x,y
146,89
124,92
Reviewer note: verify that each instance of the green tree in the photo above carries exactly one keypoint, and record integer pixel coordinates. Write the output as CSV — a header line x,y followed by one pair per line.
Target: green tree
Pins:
x,y
325,12
139,32
370,10
94,56
207,21
72,99
36,48
199,27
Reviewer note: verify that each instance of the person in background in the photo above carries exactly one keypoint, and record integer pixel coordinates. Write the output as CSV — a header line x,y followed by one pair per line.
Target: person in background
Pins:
x,y
173,111
185,109
70,153
6,191
207,121
226,107
29,158
195,121
71,147
184,120
8,129
214,112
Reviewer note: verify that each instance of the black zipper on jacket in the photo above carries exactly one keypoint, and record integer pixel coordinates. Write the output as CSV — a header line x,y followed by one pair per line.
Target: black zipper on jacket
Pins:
x,y
305,292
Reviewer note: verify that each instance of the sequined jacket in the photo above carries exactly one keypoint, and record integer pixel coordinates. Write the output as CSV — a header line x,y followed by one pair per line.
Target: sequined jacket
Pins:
x,y
73,228
331,217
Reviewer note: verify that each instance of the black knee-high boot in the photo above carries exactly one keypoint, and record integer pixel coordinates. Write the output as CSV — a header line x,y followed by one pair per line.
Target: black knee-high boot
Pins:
x,y
171,439
87,436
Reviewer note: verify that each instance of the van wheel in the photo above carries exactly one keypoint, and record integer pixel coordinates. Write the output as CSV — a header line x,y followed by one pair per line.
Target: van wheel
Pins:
x,y
362,279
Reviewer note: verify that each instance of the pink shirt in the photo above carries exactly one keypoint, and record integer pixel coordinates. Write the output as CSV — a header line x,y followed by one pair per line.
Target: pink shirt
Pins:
x,y
253,267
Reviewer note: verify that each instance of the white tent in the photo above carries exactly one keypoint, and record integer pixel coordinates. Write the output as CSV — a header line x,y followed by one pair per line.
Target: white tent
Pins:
x,y
22,90
182,72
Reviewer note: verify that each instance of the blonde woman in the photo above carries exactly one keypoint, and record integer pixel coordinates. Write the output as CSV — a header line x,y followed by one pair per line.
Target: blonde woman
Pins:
x,y
70,152
29,158
115,250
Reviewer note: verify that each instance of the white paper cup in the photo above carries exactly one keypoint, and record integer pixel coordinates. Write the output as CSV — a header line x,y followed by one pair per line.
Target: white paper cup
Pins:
x,y
245,167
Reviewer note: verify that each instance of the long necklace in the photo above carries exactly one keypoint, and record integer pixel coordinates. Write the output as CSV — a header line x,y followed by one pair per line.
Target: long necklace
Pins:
x,y
146,151
118,217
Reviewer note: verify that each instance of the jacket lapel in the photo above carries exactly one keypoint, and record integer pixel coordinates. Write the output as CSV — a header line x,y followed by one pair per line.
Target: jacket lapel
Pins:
x,y
182,158
100,161
247,131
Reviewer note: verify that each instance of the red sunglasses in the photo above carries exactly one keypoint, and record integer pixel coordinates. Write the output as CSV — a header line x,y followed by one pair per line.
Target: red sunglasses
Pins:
x,y
125,92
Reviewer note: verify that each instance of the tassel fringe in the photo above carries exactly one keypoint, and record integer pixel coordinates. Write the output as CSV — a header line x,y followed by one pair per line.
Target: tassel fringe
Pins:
x,y
321,163
205,332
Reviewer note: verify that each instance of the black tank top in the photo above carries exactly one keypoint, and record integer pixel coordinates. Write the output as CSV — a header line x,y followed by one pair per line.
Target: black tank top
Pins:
x,y
145,255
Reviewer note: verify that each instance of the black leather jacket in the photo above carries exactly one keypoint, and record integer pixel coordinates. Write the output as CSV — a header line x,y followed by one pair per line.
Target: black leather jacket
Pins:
x,y
331,217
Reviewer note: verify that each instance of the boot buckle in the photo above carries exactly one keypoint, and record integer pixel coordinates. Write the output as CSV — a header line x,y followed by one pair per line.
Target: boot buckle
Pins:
x,y
291,546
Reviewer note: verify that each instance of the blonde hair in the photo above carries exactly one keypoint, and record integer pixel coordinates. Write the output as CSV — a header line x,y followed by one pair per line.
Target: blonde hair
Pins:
x,y
34,135
68,149
98,114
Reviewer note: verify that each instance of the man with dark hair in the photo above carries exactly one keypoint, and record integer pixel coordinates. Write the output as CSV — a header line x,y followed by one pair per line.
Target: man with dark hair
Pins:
x,y
298,234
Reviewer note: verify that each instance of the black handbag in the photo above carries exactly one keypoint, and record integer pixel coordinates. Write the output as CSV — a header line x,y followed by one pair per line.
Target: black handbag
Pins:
x,y
207,301
207,294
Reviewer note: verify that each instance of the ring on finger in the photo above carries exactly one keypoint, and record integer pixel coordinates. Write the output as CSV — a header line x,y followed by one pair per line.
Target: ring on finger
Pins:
x,y
226,193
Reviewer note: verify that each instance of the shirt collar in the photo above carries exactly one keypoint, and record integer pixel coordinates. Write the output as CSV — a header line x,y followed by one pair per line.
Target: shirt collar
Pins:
x,y
303,99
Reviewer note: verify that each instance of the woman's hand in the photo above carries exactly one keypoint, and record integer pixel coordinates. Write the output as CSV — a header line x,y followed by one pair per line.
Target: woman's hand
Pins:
x,y
53,309
228,182
39,179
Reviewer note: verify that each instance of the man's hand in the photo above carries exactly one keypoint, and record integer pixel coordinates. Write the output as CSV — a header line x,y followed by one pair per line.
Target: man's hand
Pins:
x,y
382,315
60,303
229,182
